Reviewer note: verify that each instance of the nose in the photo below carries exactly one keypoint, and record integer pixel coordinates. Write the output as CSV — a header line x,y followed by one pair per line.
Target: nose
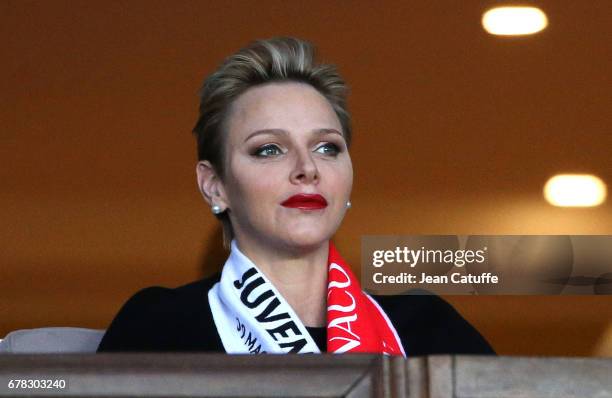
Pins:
x,y
305,170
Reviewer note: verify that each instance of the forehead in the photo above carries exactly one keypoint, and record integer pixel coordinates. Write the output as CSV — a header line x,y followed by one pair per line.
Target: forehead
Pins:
x,y
292,106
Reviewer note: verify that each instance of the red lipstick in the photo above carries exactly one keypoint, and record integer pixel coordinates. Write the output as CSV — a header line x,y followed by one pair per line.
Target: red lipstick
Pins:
x,y
306,202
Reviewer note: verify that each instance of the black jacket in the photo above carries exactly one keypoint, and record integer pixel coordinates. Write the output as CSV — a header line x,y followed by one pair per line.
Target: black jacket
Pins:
x,y
161,319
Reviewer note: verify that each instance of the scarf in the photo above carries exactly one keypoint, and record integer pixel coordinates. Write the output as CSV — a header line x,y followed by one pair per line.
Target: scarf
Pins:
x,y
252,317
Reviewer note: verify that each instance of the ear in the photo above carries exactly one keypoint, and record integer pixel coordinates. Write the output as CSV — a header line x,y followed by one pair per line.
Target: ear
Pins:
x,y
210,185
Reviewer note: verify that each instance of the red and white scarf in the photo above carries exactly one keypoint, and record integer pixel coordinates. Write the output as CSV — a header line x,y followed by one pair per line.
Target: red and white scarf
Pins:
x,y
252,317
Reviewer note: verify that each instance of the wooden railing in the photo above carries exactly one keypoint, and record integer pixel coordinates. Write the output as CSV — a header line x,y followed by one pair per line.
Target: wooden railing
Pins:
x,y
216,375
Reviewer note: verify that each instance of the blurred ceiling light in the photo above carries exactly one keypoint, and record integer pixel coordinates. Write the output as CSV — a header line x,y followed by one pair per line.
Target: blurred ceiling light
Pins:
x,y
514,20
575,190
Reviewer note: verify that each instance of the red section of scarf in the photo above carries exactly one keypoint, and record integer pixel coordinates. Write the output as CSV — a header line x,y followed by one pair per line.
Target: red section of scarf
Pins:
x,y
354,322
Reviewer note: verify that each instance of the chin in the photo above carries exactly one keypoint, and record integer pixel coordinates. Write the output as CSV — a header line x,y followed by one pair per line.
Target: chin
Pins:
x,y
306,239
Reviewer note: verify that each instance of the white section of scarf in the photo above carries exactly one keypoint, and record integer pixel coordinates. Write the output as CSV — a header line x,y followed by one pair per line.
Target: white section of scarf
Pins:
x,y
269,327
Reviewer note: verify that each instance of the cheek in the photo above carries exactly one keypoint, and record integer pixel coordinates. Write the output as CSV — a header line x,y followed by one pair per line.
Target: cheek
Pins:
x,y
253,186
341,180
349,178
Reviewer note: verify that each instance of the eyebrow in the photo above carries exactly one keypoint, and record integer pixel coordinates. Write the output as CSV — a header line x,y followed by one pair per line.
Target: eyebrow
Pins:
x,y
285,132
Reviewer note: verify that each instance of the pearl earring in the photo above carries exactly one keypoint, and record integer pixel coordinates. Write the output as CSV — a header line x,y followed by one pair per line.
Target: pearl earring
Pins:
x,y
216,209
348,204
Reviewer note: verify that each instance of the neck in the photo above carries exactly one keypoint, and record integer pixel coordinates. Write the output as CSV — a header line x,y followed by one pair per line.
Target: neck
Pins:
x,y
300,276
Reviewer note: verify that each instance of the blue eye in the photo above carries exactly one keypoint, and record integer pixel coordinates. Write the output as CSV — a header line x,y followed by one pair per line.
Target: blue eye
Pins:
x,y
267,150
328,149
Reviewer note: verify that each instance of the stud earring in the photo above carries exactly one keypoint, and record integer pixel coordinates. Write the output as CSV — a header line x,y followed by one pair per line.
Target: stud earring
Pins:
x,y
216,209
348,204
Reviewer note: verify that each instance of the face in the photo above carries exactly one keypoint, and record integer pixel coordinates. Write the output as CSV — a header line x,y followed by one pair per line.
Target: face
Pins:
x,y
288,170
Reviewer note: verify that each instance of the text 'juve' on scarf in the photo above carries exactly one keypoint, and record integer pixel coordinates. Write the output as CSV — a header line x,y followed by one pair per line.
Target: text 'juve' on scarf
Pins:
x,y
252,317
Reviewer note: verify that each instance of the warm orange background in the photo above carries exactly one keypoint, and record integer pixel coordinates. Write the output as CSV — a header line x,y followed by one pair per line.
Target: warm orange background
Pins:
x,y
456,132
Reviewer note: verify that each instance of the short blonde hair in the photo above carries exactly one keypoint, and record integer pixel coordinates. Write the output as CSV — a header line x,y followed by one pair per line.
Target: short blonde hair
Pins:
x,y
263,61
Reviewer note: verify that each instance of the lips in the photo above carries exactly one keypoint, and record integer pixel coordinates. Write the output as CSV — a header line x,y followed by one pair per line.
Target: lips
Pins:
x,y
306,202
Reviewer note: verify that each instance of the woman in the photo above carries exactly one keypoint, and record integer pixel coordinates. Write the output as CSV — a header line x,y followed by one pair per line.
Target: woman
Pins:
x,y
273,138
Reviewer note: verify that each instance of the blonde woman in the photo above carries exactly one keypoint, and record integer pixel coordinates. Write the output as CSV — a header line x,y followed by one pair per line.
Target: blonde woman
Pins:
x,y
274,167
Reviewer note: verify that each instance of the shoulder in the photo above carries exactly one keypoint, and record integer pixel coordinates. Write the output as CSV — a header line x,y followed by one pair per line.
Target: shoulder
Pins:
x,y
429,325
163,319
